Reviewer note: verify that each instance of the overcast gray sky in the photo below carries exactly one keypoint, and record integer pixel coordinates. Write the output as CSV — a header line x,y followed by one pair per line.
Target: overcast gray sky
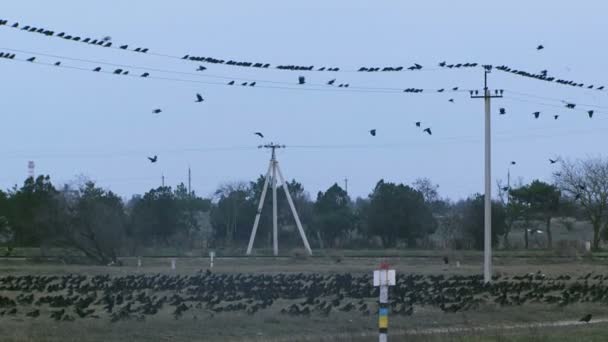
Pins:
x,y
73,122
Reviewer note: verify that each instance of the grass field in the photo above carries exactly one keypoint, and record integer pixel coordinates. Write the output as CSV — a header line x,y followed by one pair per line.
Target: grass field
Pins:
x,y
488,323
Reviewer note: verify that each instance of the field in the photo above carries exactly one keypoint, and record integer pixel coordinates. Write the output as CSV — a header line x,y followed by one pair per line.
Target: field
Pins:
x,y
532,320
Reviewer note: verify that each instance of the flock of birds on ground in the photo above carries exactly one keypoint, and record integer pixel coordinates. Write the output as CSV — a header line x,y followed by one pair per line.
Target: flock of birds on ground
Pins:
x,y
206,294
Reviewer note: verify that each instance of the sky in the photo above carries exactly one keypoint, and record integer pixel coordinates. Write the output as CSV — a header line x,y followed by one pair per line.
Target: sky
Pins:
x,y
77,124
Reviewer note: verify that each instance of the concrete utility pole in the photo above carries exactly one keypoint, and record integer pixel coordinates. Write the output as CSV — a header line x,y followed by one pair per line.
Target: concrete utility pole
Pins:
x,y
162,180
271,176
487,251
189,182
346,185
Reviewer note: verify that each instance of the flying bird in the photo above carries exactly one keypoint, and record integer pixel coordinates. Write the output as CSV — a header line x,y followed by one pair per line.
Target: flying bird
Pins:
x,y
503,111
157,111
331,82
259,134
252,84
301,80
57,63
153,159
201,68
145,74
417,123
372,132
451,100
428,130
231,83
98,69
513,162
540,47
586,318
553,161
199,98
555,117
505,188
590,113
536,115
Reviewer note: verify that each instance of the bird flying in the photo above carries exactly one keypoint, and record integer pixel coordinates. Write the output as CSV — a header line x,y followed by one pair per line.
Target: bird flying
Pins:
x,y
372,132
540,47
555,117
331,82
536,115
590,113
231,83
157,111
259,134
502,111
451,100
513,162
428,130
417,123
553,161
153,159
199,98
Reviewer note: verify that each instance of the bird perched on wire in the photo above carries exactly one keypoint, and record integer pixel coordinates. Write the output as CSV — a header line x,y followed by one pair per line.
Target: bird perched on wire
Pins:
x,y
31,59
259,134
590,113
451,100
231,83
417,123
586,318
157,111
145,74
502,111
252,84
513,162
199,98
331,82
428,130
153,159
201,68
536,115
555,117
301,80
372,132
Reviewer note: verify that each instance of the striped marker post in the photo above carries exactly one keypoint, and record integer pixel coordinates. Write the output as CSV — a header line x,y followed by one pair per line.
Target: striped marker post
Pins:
x,y
383,278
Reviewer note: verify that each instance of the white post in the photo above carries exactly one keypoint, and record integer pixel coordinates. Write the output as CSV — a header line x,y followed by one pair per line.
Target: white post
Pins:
x,y
383,278
211,256
293,211
275,238
487,253
172,263
260,205
138,261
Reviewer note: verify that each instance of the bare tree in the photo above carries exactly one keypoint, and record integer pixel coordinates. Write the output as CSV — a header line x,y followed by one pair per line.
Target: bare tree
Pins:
x,y
587,182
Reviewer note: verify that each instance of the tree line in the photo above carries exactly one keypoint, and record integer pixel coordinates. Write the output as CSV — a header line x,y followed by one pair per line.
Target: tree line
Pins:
x,y
102,226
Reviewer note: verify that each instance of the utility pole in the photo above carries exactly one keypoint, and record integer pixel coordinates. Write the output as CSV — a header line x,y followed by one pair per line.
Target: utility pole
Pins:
x,y
346,185
273,172
487,96
189,181
162,180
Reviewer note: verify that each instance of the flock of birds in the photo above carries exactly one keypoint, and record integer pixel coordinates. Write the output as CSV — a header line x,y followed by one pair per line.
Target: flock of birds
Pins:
x,y
206,294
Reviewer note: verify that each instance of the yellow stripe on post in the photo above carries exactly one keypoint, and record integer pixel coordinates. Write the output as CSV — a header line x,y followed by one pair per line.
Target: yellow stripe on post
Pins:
x,y
383,322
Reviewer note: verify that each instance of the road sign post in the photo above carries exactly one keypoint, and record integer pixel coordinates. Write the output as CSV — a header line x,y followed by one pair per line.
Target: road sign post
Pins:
x,y
383,278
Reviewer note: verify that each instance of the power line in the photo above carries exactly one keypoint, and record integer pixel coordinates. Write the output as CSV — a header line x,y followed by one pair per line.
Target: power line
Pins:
x,y
290,86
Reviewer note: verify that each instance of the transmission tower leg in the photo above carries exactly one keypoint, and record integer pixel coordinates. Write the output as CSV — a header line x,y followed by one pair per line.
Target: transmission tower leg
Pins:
x,y
293,211
260,206
275,238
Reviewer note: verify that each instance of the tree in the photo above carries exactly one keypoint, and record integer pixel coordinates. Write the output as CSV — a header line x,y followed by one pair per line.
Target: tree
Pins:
x,y
398,211
95,222
232,217
32,211
156,216
333,214
587,182
474,218
540,200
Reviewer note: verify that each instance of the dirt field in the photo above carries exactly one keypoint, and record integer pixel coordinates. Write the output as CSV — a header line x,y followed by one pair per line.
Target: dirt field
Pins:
x,y
529,322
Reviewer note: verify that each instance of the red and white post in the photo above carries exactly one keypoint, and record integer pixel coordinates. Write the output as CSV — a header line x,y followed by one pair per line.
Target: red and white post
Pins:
x,y
383,278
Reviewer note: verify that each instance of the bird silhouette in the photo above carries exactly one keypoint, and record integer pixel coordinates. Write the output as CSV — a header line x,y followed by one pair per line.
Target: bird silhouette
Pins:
x,y
301,80
153,159
505,188
570,105
540,47
201,68
231,83
252,84
244,83
555,117
31,59
586,318
451,100
57,63
417,123
502,111
157,111
259,134
590,113
331,82
199,98
145,74
513,162
124,47
372,132
553,161
98,69
536,115
428,130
